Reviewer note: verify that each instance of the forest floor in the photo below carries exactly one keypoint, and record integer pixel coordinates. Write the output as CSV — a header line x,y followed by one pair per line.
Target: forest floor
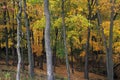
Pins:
x,y
41,74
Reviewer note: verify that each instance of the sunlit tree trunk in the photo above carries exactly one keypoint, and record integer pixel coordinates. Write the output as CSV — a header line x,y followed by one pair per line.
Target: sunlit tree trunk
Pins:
x,y
47,42
30,55
64,39
19,39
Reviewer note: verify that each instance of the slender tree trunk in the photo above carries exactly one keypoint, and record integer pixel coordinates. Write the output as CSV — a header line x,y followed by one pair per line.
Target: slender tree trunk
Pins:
x,y
72,57
109,62
55,48
86,56
110,59
47,42
22,59
6,31
64,40
13,41
41,62
86,74
43,51
30,55
19,39
6,40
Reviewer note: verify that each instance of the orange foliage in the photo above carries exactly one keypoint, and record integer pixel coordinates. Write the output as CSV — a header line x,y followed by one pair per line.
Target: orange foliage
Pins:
x,y
37,46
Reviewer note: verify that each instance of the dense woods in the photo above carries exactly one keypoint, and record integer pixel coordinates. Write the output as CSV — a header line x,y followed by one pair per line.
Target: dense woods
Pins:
x,y
59,39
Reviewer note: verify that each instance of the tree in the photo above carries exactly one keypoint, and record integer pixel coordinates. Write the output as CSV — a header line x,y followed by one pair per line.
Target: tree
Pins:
x,y
64,39
110,52
30,55
86,56
13,33
109,62
47,42
5,13
19,38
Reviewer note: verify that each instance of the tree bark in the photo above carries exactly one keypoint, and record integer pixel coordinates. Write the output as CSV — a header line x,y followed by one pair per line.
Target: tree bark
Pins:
x,y
72,56
13,41
86,56
47,42
6,31
64,39
110,59
30,55
55,49
19,39
22,58
6,40
109,62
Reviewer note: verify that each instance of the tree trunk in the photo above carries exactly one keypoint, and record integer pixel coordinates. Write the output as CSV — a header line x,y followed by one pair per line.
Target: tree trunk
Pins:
x,y
19,39
109,62
110,59
64,40
72,57
47,42
6,31
22,59
30,55
13,41
55,48
41,62
86,56
6,40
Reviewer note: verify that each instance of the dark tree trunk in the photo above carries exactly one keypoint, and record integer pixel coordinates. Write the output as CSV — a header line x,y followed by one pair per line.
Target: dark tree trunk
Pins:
x,y
6,31
13,41
6,40
86,74
72,57
34,55
109,62
13,54
32,37
64,39
50,75
110,59
43,51
22,59
86,56
55,47
30,55
41,62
